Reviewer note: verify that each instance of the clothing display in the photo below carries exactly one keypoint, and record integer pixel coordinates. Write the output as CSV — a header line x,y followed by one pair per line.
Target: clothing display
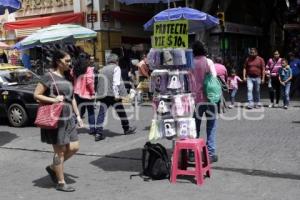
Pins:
x,y
159,81
168,57
169,128
173,102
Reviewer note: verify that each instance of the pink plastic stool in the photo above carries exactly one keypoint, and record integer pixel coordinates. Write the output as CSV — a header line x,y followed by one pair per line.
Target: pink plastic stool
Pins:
x,y
202,165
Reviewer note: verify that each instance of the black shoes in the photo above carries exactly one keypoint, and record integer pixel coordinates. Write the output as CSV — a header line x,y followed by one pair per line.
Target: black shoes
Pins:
x,y
99,137
213,158
131,130
64,187
52,174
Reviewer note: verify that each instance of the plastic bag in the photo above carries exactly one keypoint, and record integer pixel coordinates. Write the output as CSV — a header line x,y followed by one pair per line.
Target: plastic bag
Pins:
x,y
212,88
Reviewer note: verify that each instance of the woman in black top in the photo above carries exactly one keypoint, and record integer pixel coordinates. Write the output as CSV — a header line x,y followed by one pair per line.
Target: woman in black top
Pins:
x,y
64,139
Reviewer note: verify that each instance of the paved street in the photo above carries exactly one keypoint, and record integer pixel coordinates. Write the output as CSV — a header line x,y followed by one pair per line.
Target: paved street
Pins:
x,y
259,158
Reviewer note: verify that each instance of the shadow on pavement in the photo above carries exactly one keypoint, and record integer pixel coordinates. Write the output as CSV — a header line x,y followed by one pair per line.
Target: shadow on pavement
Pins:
x,y
106,132
262,173
129,161
147,128
6,137
45,182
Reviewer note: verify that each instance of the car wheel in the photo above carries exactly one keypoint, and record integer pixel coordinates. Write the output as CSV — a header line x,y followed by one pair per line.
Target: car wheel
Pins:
x,y
17,115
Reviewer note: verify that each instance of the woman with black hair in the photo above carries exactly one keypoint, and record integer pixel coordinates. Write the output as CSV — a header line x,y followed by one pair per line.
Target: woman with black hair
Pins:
x,y
204,65
84,88
55,87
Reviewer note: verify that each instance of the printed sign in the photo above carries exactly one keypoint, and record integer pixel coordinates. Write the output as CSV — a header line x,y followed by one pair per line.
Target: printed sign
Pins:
x,y
172,34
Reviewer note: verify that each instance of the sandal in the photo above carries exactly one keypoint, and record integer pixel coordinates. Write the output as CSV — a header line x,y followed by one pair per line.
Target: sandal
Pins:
x,y
64,187
52,174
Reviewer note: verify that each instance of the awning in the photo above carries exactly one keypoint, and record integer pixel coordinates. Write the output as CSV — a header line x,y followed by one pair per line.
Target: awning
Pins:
x,y
45,21
131,16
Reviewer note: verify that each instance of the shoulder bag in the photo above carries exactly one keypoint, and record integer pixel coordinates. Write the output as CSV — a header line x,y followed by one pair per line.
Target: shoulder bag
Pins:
x,y
48,114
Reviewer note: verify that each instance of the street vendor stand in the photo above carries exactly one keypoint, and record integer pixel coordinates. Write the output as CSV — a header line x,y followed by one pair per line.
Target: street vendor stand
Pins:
x,y
172,84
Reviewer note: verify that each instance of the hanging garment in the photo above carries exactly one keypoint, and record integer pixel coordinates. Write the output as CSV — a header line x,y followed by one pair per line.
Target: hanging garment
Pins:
x,y
169,128
189,58
182,125
192,128
168,57
162,104
185,81
159,81
178,106
174,81
179,57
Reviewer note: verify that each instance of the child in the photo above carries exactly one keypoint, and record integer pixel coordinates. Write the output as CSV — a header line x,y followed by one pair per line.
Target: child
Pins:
x,y
285,76
232,81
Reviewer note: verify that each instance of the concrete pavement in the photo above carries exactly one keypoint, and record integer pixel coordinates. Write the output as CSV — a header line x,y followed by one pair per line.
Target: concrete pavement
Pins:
x,y
259,159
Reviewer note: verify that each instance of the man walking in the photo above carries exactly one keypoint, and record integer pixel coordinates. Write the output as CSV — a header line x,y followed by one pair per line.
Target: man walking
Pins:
x,y
110,91
254,74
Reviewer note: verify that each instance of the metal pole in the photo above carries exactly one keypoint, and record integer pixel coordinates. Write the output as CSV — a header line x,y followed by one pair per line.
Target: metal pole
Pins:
x,y
223,42
94,41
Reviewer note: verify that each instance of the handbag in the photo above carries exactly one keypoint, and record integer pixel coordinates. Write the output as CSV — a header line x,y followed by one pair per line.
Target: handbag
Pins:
x,y
48,114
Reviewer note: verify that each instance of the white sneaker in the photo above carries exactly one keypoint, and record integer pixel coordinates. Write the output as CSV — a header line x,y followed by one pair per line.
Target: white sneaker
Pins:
x,y
271,105
230,106
276,105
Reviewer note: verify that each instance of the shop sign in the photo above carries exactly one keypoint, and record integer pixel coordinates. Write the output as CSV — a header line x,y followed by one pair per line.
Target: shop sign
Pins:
x,y
92,18
38,7
172,34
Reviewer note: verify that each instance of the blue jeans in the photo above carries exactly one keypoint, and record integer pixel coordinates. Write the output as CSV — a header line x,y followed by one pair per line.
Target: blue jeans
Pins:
x,y
285,90
232,93
210,111
87,104
253,87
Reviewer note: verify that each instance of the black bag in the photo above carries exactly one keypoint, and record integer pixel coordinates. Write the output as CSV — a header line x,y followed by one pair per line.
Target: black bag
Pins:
x,y
155,161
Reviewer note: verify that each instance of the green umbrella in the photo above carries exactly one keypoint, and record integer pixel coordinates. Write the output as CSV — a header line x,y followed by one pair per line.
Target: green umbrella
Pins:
x,y
55,33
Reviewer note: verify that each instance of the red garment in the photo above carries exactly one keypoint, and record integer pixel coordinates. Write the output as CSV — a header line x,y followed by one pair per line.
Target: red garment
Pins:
x,y
84,84
201,68
221,71
273,66
255,66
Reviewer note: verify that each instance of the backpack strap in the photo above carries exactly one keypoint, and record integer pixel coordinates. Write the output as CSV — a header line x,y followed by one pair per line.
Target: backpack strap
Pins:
x,y
145,149
163,154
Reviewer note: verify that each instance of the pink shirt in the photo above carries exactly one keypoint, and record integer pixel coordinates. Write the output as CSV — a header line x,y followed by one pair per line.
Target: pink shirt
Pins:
x,y
84,84
233,82
273,66
202,65
221,71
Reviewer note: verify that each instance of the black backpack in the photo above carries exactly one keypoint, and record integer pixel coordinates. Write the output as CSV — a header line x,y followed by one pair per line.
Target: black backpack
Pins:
x,y
155,161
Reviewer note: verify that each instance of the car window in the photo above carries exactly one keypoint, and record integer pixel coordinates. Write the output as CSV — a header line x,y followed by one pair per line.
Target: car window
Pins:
x,y
21,76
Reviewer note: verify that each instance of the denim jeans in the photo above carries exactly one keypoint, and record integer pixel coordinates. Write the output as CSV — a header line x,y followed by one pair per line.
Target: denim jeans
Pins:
x,y
285,89
232,93
210,111
89,105
253,87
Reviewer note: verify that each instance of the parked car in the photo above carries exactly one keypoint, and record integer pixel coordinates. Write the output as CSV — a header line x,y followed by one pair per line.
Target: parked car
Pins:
x,y
17,86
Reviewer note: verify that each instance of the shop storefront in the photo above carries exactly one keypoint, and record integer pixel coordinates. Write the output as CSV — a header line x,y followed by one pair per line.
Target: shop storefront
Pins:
x,y
234,43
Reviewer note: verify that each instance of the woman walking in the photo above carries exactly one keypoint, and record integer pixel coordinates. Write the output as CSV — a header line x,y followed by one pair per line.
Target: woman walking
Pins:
x,y
272,67
84,89
64,139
